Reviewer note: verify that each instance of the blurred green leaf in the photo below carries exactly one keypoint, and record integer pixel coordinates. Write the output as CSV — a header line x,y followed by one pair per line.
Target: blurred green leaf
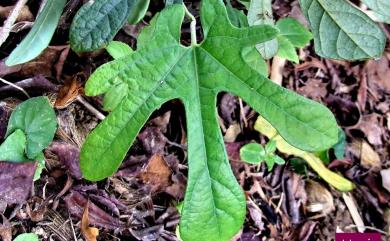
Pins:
x,y
12,149
27,237
252,153
40,35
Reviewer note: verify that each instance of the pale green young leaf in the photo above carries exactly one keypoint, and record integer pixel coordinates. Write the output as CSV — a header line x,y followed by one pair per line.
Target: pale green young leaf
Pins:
x,y
40,35
342,31
270,147
26,237
118,49
287,49
252,153
295,32
137,13
162,70
250,54
381,9
97,22
278,160
12,149
36,118
260,12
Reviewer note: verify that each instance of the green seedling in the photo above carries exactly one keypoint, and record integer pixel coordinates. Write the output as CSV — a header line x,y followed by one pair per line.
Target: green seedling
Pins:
x,y
255,153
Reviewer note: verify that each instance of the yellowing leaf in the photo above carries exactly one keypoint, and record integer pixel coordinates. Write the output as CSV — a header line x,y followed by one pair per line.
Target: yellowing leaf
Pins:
x,y
332,178
89,233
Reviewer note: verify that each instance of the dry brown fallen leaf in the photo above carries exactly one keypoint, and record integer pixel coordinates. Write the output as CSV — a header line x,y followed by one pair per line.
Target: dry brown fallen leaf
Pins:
x,y
5,229
24,15
90,233
319,199
371,127
76,203
44,64
16,180
232,132
157,173
68,93
368,157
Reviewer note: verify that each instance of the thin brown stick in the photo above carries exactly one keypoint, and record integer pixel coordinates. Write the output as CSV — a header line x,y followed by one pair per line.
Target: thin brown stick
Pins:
x,y
89,107
7,27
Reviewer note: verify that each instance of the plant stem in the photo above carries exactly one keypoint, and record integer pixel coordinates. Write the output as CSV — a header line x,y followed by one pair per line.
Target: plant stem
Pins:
x,y
6,29
193,26
15,86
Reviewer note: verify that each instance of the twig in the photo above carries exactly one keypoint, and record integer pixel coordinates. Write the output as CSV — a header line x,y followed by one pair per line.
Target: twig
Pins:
x,y
15,86
277,70
6,29
368,227
92,109
192,26
357,219
71,226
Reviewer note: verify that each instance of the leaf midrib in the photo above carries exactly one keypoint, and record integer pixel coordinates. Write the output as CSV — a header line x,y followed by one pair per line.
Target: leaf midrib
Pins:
x,y
199,104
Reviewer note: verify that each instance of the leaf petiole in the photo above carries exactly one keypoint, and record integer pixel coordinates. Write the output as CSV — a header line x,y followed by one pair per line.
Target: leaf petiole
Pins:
x,y
192,26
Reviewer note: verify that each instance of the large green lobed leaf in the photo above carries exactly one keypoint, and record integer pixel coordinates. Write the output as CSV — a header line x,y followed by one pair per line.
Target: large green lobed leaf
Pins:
x,y
342,31
161,70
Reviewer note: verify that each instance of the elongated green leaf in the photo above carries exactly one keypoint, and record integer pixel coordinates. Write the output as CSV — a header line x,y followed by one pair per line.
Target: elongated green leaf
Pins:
x,y
381,9
36,118
162,70
341,31
40,35
12,149
96,24
334,179
138,12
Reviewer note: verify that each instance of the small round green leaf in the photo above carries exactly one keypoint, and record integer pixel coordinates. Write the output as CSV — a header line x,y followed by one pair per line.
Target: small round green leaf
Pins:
x,y
252,153
36,118
27,237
